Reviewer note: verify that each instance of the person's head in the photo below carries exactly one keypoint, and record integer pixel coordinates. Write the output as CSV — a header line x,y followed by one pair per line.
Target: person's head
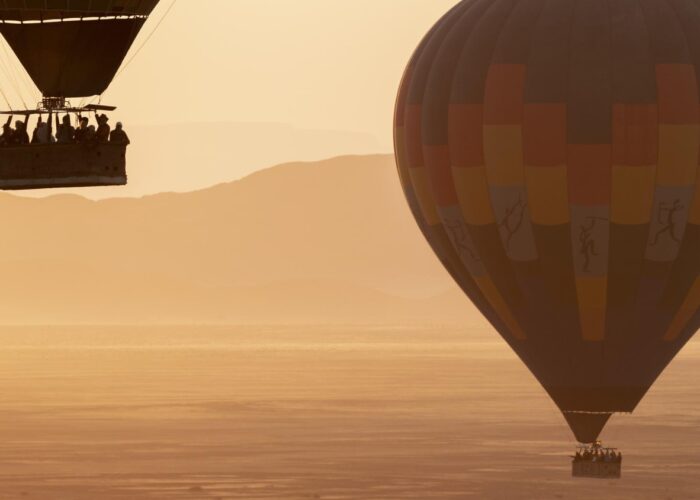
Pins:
x,y
91,128
84,122
19,124
119,125
103,118
66,120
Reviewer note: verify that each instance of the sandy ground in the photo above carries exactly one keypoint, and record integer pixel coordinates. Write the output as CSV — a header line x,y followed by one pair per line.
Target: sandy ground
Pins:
x,y
377,413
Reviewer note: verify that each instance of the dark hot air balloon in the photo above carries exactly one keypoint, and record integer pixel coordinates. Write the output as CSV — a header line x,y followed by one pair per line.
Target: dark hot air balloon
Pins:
x,y
70,49
548,150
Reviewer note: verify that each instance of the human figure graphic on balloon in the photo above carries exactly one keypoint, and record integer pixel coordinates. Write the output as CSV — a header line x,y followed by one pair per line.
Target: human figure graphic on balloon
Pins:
x,y
667,217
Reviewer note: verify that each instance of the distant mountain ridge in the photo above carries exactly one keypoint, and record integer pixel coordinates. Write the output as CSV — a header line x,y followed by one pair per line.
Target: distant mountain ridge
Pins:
x,y
183,157
322,242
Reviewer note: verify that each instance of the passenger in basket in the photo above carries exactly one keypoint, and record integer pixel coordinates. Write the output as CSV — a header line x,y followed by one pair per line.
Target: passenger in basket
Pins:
x,y
20,135
43,133
6,137
102,128
81,131
65,132
118,136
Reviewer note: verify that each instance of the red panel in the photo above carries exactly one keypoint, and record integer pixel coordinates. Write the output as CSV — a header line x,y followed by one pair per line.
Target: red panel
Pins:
x,y
635,134
678,94
503,100
414,141
544,134
437,161
402,98
466,134
589,174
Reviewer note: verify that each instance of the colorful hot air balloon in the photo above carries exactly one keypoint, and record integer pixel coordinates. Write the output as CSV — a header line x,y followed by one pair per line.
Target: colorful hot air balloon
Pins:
x,y
70,49
548,150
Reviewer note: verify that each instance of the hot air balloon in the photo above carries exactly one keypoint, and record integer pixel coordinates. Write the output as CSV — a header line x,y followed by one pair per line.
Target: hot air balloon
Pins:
x,y
549,152
70,49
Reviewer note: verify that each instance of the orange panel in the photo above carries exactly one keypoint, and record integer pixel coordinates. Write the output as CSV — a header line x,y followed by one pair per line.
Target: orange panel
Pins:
x,y
473,193
677,93
690,306
635,134
437,162
678,154
503,155
503,98
589,174
401,160
544,134
488,288
592,299
414,138
466,135
547,193
632,194
421,186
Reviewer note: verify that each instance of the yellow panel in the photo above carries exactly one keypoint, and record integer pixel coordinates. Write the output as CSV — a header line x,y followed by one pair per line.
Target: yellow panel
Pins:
x,y
686,312
678,154
547,193
632,194
503,155
473,193
592,298
694,216
421,186
496,300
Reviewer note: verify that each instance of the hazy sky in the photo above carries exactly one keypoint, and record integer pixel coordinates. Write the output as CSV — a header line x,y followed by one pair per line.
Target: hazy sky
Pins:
x,y
328,64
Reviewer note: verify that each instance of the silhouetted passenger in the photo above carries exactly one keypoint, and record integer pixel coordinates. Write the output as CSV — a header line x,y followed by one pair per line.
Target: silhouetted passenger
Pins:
x,y
35,138
81,131
43,133
65,132
20,135
90,134
102,134
6,137
118,136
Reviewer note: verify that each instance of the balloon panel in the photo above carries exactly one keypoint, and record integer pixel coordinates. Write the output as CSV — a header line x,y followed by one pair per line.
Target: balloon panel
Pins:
x,y
72,48
72,59
47,10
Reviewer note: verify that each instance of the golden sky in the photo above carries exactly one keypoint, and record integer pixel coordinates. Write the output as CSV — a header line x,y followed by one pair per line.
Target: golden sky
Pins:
x,y
330,65
322,64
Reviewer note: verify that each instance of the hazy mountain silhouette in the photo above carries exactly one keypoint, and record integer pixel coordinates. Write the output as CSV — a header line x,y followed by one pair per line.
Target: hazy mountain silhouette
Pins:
x,y
330,241
188,156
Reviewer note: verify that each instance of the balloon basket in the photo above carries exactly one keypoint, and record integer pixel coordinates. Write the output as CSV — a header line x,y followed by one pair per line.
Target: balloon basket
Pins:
x,y
596,462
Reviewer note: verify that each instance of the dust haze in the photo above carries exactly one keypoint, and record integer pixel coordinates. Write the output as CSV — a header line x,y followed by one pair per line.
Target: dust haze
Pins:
x,y
310,413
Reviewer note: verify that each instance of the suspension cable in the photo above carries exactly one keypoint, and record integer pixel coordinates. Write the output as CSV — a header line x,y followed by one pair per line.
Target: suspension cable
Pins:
x,y
9,106
138,50
5,74
7,64
145,41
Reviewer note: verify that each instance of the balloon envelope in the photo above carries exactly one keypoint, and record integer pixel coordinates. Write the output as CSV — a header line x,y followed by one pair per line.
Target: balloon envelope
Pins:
x,y
72,48
549,153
